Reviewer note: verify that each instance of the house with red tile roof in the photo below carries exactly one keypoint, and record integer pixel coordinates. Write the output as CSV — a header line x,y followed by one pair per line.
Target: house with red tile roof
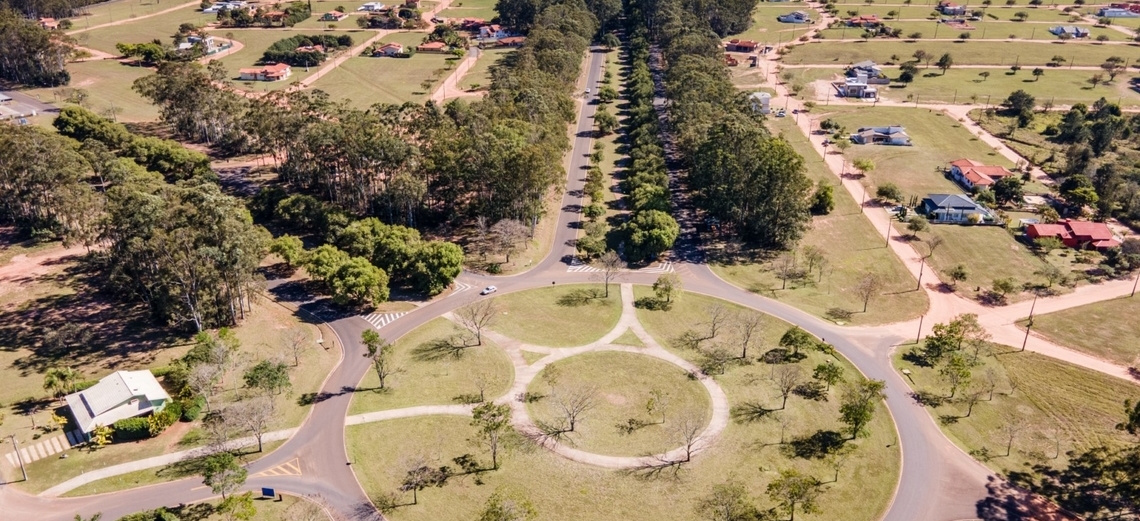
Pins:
x,y
388,49
272,72
972,174
1076,234
50,24
432,47
511,41
333,16
868,21
736,45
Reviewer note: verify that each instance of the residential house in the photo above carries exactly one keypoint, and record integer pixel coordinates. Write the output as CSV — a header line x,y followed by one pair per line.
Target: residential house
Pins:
x,y
1072,30
866,67
1110,12
333,16
1076,234
972,174
371,7
50,24
866,21
275,17
511,41
272,72
208,43
761,102
432,47
794,17
471,24
118,396
494,31
954,208
736,45
856,87
388,49
951,9
889,135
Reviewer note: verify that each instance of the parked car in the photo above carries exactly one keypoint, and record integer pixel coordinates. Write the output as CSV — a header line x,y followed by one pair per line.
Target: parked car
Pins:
x,y
488,290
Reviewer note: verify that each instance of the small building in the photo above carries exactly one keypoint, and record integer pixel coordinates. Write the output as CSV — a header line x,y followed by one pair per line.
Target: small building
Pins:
x,y
856,87
951,9
472,24
794,17
388,49
1076,234
493,31
1072,30
50,24
333,16
889,135
432,47
511,41
275,17
118,396
867,68
761,102
972,174
273,72
311,48
737,45
866,21
371,7
730,60
1111,12
208,43
954,208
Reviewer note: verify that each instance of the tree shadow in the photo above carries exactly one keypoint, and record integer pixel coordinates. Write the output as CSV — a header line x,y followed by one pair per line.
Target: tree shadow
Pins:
x,y
579,297
816,446
749,412
440,349
1006,501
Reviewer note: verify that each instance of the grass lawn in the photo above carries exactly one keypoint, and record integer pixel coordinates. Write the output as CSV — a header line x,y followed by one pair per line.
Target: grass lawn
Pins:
x,y
556,317
484,9
766,29
629,339
1054,401
365,80
257,41
431,377
852,247
108,83
965,86
988,252
268,509
1104,329
623,382
161,27
988,30
746,451
479,75
612,162
107,12
1027,54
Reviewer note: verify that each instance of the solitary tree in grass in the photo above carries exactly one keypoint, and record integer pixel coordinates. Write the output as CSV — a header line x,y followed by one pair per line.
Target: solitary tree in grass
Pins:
x,y
728,501
985,75
1037,73
478,316
610,41
857,406
419,475
1003,287
863,165
889,192
870,284
1112,66
945,62
666,286
1095,79
958,274
794,492
955,372
920,55
493,423
828,373
610,264
222,473
508,507
380,354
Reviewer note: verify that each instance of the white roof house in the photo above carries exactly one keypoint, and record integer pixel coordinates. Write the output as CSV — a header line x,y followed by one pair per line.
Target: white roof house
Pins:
x,y
119,395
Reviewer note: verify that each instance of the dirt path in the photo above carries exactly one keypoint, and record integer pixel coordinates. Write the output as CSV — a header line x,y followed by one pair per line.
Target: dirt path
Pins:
x,y
24,266
235,46
450,86
135,19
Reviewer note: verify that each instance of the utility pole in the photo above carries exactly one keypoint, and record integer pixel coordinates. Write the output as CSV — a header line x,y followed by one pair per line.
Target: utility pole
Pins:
x,y
1027,328
921,268
918,337
1034,306
887,243
20,458
1135,283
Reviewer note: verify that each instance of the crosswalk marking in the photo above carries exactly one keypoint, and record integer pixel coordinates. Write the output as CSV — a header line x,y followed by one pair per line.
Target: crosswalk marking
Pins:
x,y
379,320
289,468
577,266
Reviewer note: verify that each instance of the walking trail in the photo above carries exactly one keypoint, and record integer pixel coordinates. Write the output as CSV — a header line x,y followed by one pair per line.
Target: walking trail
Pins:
x,y
450,86
135,19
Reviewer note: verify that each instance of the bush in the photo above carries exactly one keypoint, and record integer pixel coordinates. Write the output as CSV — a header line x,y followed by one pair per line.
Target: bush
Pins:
x,y
160,372
158,422
132,429
192,408
85,385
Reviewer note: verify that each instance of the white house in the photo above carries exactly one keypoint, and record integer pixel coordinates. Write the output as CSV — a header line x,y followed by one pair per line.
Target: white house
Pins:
x,y
493,31
118,396
890,135
856,87
954,208
1071,30
794,17
274,72
388,49
371,7
761,102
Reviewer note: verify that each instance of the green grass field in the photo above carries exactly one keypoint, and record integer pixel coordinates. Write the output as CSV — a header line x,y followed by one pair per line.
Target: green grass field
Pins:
x,y
766,29
623,382
484,9
161,27
1104,329
108,12
480,73
365,80
435,376
108,83
992,30
1054,402
256,42
852,246
537,317
1002,53
963,86
749,452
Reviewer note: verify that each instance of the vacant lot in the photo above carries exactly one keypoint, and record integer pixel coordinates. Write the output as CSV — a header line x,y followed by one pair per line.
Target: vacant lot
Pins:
x,y
1105,329
108,84
964,86
434,371
161,27
766,29
479,75
559,316
484,9
751,450
1055,408
117,10
1027,54
989,30
852,248
366,80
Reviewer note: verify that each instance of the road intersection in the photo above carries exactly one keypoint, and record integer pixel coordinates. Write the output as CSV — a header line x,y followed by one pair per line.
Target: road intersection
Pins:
x,y
938,481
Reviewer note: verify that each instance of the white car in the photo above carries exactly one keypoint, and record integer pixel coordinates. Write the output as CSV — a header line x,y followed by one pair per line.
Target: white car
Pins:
x,y
488,290
587,91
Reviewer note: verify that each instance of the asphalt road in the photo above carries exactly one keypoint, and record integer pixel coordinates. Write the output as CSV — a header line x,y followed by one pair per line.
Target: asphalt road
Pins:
x,y
938,481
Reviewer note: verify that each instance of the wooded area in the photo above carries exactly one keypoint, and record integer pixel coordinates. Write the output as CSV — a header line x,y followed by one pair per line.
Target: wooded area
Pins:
x,y
31,54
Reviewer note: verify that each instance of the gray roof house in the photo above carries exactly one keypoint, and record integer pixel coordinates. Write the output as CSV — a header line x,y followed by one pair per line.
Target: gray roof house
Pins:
x,y
889,135
1071,30
794,17
954,208
119,395
867,67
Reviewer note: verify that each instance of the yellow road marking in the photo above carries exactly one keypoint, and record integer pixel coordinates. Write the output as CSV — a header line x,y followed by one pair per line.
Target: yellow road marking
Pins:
x,y
289,468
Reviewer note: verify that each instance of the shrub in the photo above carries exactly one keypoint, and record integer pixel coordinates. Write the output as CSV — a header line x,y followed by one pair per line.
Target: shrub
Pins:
x,y
132,429
160,372
85,385
156,423
192,408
